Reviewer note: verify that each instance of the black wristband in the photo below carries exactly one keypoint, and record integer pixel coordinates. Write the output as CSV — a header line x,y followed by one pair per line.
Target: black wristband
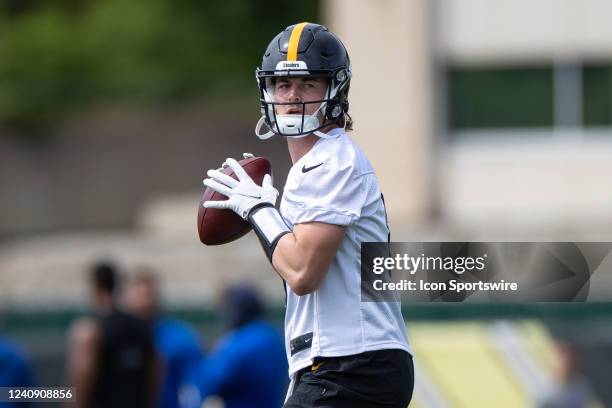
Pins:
x,y
269,226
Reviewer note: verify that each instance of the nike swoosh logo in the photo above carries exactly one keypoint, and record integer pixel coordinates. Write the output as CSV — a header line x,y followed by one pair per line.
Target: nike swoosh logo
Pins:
x,y
316,367
307,169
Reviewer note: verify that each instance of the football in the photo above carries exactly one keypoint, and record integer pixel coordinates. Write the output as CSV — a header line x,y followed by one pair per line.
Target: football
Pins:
x,y
215,226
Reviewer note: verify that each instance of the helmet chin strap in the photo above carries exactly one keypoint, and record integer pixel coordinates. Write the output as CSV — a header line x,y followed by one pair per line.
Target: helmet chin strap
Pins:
x,y
259,125
289,124
270,133
264,136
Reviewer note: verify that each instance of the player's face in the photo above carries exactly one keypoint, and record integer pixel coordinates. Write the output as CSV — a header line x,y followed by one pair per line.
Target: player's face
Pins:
x,y
299,90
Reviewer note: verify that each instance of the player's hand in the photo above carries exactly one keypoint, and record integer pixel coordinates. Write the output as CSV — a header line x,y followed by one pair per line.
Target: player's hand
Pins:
x,y
243,194
244,156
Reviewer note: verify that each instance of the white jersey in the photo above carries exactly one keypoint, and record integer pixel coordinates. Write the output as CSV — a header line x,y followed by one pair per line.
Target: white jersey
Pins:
x,y
335,183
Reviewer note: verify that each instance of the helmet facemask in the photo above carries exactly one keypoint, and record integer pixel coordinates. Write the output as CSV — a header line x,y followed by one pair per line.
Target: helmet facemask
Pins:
x,y
330,110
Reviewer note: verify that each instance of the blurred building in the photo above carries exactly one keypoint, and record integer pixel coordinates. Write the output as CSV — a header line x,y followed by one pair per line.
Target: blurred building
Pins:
x,y
485,116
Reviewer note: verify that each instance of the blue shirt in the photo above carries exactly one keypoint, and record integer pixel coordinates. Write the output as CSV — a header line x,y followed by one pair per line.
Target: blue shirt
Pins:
x,y
14,371
247,368
179,349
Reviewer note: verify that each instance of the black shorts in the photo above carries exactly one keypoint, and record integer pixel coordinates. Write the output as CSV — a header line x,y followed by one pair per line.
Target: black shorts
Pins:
x,y
382,378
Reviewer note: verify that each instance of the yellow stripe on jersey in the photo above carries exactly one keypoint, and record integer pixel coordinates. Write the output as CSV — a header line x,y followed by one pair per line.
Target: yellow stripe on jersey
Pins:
x,y
294,41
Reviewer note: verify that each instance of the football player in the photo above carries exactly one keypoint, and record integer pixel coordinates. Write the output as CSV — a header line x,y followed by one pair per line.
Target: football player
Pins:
x,y
342,352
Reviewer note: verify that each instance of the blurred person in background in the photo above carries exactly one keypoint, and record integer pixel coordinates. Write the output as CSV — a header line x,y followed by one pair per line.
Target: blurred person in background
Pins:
x,y
572,389
247,367
177,344
15,371
111,358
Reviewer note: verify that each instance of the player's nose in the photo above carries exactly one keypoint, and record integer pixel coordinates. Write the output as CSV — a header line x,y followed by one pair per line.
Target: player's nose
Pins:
x,y
295,94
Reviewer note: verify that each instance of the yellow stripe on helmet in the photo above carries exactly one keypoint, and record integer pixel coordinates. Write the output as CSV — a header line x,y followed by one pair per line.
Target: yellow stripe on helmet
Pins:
x,y
294,41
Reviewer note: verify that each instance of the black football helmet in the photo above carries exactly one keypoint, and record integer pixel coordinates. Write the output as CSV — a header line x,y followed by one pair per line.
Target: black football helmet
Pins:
x,y
304,50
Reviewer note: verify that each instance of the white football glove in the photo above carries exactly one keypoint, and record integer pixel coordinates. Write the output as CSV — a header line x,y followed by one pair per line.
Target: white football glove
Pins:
x,y
243,194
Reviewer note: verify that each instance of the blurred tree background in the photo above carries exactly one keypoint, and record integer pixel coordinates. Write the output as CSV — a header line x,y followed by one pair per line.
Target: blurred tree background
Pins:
x,y
62,56
120,103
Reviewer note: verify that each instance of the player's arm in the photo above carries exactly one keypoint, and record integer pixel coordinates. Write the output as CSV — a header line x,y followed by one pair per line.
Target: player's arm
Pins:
x,y
305,252
83,351
303,257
